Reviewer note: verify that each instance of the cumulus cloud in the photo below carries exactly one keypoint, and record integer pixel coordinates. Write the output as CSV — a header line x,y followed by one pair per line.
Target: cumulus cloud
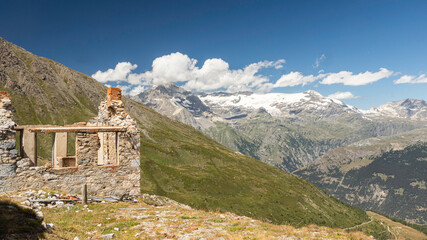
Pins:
x,y
136,90
319,60
411,79
348,78
175,67
215,74
279,63
296,78
117,74
342,95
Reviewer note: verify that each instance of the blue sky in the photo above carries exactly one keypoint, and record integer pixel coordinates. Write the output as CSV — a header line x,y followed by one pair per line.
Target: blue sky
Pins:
x,y
353,36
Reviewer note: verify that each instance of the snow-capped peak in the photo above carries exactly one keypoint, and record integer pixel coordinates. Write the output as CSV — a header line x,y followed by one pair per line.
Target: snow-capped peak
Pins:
x,y
409,108
276,103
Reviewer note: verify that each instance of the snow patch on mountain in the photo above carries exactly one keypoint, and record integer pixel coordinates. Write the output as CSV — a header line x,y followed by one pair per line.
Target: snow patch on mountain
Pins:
x,y
409,108
201,110
275,103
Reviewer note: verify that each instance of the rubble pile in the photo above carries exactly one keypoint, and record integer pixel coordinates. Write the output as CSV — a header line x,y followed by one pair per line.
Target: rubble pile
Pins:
x,y
41,199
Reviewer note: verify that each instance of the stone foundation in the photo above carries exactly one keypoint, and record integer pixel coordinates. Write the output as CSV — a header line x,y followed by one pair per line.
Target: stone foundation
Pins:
x,y
102,181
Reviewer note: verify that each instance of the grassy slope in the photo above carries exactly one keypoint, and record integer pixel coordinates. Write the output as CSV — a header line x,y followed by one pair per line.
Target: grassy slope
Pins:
x,y
399,230
160,222
181,163
177,161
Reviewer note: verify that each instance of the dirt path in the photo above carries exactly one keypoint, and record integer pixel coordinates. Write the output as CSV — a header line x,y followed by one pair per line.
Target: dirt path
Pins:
x,y
359,225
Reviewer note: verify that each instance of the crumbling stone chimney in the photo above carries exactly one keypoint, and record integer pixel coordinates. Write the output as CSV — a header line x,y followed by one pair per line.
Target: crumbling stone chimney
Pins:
x,y
111,112
113,94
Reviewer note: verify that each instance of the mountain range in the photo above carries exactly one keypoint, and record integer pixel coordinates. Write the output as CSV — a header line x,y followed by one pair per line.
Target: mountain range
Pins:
x,y
409,108
285,130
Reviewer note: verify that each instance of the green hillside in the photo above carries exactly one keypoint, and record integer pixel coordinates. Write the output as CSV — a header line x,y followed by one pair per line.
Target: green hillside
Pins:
x,y
177,161
181,163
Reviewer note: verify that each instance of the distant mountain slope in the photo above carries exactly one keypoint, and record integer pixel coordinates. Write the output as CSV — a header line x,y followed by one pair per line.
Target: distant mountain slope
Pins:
x,y
282,105
178,104
377,177
177,161
409,108
285,130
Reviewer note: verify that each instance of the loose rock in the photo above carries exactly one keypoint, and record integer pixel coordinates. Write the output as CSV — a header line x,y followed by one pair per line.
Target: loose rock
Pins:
x,y
108,236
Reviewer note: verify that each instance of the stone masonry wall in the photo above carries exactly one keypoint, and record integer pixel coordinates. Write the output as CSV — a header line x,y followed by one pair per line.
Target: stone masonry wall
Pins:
x,y
112,113
119,179
8,153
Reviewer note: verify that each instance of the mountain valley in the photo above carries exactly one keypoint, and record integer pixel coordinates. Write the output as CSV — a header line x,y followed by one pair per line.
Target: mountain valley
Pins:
x,y
388,176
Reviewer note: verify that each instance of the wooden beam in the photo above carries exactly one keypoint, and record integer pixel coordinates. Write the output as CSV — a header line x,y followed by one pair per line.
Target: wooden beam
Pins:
x,y
77,129
26,127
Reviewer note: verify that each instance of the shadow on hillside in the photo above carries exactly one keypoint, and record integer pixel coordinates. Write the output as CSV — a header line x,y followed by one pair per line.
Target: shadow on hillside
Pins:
x,y
19,223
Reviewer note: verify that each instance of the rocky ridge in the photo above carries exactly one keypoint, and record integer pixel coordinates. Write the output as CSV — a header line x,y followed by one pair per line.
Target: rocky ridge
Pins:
x,y
413,109
380,176
179,104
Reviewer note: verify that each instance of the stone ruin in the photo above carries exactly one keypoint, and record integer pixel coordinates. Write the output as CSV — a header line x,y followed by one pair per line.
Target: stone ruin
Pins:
x,y
8,154
107,155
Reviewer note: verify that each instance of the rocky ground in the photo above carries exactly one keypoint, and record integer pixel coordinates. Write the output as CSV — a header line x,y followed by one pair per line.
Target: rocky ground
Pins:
x,y
156,218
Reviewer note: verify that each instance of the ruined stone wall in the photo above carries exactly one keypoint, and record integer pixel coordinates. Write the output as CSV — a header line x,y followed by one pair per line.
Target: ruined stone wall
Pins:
x,y
87,145
111,112
118,179
8,153
102,181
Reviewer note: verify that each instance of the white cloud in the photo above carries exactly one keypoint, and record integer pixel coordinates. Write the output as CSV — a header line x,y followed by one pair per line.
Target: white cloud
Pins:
x,y
319,60
136,79
136,90
295,78
348,78
411,79
342,95
279,63
117,74
175,67
215,74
